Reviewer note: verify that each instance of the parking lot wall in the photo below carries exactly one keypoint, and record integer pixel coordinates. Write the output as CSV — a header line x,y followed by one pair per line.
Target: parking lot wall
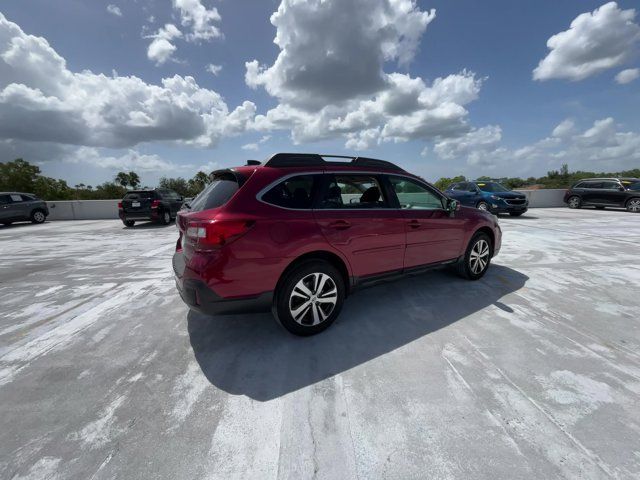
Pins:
x,y
83,209
545,198
108,209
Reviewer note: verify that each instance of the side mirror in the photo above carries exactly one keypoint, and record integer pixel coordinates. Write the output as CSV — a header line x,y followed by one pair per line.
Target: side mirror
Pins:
x,y
452,206
621,188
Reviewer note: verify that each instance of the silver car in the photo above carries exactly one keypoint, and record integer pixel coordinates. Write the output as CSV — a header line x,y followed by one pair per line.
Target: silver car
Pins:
x,y
22,207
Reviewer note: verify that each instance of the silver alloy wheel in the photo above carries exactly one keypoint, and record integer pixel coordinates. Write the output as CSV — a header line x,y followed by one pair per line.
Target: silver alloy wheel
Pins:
x,y
38,217
313,299
634,205
574,202
479,257
483,206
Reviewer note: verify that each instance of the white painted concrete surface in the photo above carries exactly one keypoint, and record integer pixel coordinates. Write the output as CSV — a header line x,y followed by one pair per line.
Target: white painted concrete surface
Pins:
x,y
532,372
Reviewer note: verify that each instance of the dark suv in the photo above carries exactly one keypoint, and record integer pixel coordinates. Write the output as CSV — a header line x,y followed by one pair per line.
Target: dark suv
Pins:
x,y
159,205
490,196
298,234
605,192
22,207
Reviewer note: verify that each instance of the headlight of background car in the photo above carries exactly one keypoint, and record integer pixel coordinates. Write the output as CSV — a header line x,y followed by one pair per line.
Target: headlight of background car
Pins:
x,y
495,197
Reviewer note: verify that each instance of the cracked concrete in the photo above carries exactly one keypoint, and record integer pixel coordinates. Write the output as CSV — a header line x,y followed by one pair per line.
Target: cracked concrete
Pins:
x,y
532,372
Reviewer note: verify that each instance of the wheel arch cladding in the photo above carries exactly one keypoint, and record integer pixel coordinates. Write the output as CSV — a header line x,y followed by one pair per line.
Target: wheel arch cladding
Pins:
x,y
323,255
489,233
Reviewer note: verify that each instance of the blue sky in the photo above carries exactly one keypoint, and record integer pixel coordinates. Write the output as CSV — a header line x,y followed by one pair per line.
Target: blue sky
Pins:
x,y
347,76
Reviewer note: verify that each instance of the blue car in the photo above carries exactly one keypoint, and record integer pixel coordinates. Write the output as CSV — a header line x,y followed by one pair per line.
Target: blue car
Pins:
x,y
490,196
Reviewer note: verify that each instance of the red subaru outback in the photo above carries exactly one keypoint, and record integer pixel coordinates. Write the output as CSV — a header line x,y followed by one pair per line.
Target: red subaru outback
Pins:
x,y
301,232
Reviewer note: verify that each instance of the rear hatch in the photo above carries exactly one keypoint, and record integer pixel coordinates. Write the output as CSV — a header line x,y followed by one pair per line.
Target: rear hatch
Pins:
x,y
138,203
201,211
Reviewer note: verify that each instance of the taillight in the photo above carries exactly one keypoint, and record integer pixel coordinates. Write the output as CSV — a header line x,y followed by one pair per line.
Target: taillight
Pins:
x,y
207,235
119,205
155,204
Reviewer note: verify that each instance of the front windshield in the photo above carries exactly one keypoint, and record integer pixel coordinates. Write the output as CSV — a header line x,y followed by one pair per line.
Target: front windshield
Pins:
x,y
491,187
634,186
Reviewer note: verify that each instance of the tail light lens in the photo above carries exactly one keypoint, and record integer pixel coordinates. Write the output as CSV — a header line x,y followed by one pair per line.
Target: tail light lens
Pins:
x,y
155,204
209,235
119,205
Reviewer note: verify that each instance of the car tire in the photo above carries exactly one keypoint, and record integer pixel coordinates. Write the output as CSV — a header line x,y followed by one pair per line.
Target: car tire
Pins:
x,y
129,223
310,298
633,205
483,206
574,202
38,216
515,214
165,217
481,248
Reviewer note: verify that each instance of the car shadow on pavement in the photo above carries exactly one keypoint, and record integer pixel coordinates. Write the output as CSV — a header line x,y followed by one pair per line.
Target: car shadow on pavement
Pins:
x,y
251,355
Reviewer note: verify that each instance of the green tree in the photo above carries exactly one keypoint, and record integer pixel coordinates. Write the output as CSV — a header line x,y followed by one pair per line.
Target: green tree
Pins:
x,y
444,182
18,175
179,185
197,183
130,179
134,180
122,178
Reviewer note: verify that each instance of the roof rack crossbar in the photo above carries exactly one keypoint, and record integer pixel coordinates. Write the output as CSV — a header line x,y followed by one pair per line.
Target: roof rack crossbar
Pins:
x,y
314,159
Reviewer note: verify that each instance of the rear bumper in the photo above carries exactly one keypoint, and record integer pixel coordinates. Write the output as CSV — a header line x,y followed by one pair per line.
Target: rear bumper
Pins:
x,y
149,216
202,299
199,297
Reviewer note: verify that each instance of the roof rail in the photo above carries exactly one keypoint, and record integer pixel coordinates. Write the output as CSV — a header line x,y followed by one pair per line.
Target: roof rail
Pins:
x,y
314,159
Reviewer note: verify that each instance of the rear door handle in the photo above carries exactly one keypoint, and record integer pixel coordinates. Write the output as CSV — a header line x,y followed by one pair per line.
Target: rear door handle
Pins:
x,y
340,225
414,224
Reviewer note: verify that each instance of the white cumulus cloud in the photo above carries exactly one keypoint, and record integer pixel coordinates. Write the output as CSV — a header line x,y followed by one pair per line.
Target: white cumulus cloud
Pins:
x,y
330,78
199,19
41,100
628,75
213,69
162,48
596,41
114,10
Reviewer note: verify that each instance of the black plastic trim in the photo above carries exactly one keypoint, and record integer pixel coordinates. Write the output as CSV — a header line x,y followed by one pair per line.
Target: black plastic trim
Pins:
x,y
199,297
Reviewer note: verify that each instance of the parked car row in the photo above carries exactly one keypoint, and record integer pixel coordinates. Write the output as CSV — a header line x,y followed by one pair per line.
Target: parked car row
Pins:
x,y
157,205
22,207
490,196
605,192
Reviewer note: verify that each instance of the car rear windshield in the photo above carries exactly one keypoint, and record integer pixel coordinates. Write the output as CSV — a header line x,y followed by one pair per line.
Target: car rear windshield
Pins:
x,y
218,192
139,195
491,187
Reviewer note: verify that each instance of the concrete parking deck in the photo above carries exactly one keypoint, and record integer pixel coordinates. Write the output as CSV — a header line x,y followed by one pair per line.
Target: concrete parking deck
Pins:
x,y
532,372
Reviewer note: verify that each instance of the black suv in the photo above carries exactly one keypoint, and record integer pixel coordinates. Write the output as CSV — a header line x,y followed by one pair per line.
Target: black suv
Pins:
x,y
159,205
22,207
605,192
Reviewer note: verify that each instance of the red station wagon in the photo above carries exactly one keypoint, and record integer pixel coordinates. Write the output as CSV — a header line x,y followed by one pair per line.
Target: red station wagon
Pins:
x,y
301,232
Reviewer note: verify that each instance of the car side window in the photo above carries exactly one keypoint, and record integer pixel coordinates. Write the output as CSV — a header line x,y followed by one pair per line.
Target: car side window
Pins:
x,y
611,185
353,191
412,195
456,187
15,198
470,187
294,192
27,198
5,199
